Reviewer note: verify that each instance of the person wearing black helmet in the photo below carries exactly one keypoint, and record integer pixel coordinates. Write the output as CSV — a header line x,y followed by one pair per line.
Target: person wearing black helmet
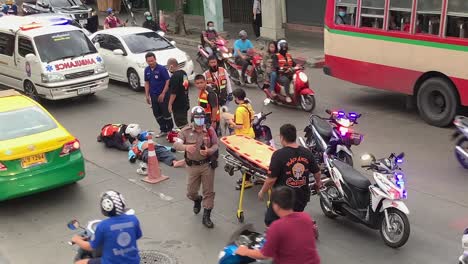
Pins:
x,y
150,22
117,235
283,64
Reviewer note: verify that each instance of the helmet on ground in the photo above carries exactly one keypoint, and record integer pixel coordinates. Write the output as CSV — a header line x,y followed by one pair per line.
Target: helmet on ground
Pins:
x,y
133,130
282,44
147,14
112,203
242,33
109,11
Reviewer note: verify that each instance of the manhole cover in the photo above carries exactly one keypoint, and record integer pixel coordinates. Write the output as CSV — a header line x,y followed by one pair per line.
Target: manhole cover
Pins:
x,y
156,257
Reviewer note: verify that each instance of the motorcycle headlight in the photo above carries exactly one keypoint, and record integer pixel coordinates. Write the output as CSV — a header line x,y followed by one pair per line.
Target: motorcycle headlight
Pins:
x,y
303,77
221,255
52,77
99,69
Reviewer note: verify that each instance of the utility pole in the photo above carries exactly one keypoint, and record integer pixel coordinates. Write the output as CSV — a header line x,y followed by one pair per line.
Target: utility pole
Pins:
x,y
153,7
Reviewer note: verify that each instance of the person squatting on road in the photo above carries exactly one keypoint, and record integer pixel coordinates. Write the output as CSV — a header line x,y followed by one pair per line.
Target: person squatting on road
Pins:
x,y
179,103
289,240
218,78
156,87
117,235
201,155
291,167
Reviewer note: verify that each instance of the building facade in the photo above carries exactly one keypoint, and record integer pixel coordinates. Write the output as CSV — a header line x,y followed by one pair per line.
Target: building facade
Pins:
x,y
305,12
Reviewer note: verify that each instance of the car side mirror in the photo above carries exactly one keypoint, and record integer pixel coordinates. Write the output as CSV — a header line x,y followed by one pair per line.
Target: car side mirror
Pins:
x,y
31,58
118,52
97,45
173,42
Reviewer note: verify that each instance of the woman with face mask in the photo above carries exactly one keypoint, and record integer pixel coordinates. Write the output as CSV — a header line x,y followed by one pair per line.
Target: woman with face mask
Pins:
x,y
341,18
150,23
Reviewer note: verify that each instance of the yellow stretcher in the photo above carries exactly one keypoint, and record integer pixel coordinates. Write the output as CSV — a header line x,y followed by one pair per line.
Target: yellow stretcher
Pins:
x,y
248,156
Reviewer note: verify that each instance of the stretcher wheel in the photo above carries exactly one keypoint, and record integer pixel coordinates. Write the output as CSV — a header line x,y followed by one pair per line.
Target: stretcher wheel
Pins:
x,y
240,217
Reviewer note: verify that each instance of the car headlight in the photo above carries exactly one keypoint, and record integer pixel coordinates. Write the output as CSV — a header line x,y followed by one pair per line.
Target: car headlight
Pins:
x,y
142,64
99,69
303,77
52,77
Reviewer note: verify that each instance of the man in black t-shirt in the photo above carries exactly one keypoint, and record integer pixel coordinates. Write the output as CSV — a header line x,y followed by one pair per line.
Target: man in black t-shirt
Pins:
x,y
291,166
179,101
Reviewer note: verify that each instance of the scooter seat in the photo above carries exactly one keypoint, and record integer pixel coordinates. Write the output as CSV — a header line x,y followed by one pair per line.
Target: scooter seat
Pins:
x,y
323,127
352,176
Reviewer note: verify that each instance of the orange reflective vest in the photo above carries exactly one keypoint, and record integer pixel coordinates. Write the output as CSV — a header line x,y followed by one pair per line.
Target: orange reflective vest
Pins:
x,y
284,62
220,82
203,102
110,129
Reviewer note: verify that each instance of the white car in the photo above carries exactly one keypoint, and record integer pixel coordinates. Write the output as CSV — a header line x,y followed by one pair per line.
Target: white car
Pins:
x,y
123,50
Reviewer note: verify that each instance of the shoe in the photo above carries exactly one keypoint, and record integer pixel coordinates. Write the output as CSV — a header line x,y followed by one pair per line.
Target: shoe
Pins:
x,y
207,218
142,171
197,205
99,138
288,99
162,134
239,181
248,185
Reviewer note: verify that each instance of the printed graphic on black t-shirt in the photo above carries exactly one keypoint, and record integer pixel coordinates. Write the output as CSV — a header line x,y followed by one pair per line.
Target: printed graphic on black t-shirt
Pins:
x,y
292,167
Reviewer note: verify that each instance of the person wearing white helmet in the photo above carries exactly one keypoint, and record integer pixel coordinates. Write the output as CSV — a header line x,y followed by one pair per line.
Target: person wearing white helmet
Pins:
x,y
241,47
119,136
200,145
150,22
283,64
116,236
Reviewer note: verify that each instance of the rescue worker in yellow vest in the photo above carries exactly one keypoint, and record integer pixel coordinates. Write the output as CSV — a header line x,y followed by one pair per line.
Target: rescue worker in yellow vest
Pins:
x,y
218,78
242,124
208,100
283,64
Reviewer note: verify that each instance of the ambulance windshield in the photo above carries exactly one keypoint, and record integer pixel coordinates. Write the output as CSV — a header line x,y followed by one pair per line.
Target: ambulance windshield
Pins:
x,y
63,45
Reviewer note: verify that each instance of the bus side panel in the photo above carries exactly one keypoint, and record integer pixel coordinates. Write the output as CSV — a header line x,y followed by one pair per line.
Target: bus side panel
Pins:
x,y
462,86
371,74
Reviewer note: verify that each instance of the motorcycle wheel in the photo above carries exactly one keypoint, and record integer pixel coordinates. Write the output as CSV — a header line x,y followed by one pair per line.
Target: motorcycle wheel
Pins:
x,y
307,102
345,157
400,226
463,143
328,212
233,73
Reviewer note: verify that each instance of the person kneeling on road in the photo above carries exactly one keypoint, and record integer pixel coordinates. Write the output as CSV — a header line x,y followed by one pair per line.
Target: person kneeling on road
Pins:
x,y
119,136
117,235
289,240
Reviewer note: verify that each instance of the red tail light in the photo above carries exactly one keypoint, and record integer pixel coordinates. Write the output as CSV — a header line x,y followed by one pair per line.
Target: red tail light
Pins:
x,y
3,167
70,147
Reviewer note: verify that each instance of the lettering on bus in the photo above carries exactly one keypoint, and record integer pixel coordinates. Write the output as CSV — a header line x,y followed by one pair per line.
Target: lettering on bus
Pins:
x,y
74,64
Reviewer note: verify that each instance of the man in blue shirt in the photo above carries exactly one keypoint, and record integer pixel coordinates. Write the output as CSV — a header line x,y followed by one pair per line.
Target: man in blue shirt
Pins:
x,y
156,87
116,235
241,47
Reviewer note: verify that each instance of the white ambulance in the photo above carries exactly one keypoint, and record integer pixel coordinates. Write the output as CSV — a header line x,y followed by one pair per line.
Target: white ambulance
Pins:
x,y
49,59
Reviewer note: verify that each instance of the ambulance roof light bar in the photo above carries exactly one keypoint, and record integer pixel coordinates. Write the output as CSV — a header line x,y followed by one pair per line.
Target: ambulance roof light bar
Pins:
x,y
51,22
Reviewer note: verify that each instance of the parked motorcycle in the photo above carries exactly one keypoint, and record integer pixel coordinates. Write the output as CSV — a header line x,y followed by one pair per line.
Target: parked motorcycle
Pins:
x,y
87,233
255,74
334,135
221,51
463,259
461,137
302,95
378,206
262,132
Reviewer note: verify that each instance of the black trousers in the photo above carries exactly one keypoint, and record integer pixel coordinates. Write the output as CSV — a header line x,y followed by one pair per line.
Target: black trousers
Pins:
x,y
270,215
161,113
244,63
180,118
257,24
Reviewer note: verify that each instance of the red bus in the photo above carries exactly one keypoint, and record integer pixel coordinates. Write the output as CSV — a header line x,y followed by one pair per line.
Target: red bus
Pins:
x,y
415,47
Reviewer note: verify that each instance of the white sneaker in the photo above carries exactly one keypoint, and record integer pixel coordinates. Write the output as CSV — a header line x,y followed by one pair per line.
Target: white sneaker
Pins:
x,y
142,171
288,99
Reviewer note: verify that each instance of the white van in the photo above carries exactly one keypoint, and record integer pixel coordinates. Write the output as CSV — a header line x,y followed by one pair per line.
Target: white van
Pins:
x,y
49,60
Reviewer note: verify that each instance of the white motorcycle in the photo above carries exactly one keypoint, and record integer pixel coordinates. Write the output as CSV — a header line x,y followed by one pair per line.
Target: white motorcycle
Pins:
x,y
378,206
461,137
463,259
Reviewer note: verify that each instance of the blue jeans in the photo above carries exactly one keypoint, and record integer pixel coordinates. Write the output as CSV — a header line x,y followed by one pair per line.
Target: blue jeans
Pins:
x,y
273,77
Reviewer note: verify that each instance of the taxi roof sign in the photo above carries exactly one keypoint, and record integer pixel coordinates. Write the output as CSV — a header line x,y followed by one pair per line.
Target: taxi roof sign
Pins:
x,y
7,93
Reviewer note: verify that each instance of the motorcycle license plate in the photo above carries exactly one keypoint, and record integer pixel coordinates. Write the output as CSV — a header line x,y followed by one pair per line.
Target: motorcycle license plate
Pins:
x,y
33,160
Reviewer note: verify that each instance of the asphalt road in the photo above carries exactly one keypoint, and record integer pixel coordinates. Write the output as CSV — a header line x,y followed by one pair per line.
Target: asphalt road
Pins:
x,y
33,229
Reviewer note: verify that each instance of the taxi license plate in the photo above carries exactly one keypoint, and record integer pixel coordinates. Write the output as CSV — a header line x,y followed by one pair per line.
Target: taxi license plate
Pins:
x,y
83,22
33,160
84,90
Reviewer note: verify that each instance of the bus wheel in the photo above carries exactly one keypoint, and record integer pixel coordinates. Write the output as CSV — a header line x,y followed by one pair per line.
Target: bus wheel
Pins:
x,y
437,102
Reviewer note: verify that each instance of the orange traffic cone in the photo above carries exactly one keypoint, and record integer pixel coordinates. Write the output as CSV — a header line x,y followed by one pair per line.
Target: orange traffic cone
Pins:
x,y
154,172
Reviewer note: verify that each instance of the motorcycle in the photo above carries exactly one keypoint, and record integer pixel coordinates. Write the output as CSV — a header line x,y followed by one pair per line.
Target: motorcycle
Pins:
x,y
302,95
463,259
87,233
334,135
221,51
262,132
378,206
461,137
255,74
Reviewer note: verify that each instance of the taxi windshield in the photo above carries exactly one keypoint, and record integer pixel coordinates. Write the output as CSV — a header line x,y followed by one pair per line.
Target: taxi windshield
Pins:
x,y
24,122
145,42
63,45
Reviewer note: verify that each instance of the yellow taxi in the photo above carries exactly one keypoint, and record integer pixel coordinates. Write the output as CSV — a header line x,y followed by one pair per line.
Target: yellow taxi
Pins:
x,y
36,152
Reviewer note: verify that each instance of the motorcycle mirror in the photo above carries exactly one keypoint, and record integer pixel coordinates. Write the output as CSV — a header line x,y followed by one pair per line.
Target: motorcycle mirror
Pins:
x,y
266,102
73,224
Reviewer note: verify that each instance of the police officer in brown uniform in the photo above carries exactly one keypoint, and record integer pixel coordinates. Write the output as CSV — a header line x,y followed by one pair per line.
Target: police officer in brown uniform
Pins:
x,y
201,150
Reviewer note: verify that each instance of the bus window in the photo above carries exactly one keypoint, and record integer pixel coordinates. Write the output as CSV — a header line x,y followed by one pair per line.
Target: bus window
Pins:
x,y
400,15
345,12
429,16
372,13
457,19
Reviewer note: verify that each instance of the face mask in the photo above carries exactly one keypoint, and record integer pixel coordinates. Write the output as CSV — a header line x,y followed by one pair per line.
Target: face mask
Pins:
x,y
199,121
149,18
342,13
211,28
214,68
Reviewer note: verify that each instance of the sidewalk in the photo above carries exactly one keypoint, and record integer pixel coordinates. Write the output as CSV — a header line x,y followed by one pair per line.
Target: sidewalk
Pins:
x,y
302,44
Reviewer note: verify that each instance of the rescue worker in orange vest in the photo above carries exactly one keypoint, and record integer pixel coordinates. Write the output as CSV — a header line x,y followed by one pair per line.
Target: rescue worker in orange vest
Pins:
x,y
218,78
208,100
283,64
119,136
